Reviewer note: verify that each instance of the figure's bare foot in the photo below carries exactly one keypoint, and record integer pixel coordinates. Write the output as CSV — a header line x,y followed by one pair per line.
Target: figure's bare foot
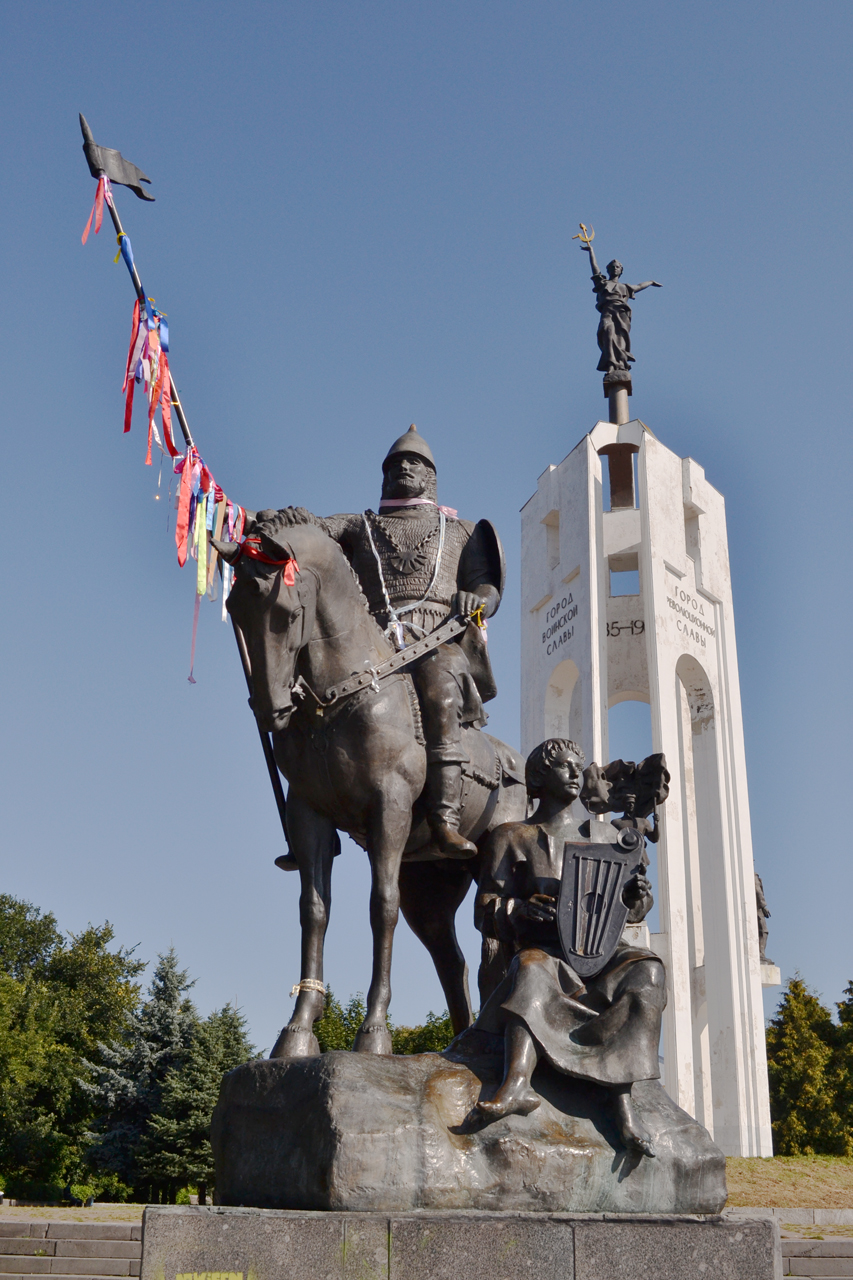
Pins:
x,y
373,1038
296,1041
517,1099
633,1132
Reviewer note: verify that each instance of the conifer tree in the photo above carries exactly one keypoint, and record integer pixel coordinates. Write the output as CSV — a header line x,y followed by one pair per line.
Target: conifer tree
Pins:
x,y
842,1068
177,1148
800,1042
132,1073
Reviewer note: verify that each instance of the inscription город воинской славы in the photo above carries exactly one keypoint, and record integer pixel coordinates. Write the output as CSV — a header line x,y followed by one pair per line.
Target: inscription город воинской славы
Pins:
x,y
558,623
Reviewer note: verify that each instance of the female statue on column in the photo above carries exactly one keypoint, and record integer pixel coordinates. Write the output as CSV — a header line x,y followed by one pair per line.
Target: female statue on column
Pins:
x,y
614,327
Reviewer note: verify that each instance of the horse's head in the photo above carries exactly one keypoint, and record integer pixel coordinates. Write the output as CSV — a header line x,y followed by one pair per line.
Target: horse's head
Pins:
x,y
273,602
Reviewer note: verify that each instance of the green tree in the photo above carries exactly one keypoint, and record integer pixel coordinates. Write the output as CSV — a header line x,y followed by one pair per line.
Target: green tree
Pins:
x,y
32,1064
842,1068
801,1040
337,1026
177,1149
58,999
28,938
434,1036
131,1072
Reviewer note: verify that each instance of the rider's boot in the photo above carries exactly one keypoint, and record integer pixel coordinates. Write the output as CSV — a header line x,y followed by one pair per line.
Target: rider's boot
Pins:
x,y
444,793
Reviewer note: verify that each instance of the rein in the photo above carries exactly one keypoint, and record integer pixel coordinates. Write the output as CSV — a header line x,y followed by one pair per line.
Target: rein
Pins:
x,y
373,675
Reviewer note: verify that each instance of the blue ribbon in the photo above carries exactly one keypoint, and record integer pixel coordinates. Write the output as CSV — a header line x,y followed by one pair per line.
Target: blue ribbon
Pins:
x,y
127,252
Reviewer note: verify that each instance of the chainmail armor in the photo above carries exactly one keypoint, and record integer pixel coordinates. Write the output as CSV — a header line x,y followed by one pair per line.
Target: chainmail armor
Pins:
x,y
413,535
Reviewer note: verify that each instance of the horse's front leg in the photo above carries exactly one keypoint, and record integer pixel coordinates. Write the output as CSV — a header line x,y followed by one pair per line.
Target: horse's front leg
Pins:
x,y
388,832
314,841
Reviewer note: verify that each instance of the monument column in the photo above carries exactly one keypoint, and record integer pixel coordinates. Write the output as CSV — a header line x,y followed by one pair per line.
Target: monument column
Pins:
x,y
672,644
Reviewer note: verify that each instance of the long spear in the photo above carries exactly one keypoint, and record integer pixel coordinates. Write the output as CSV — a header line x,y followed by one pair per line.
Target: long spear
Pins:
x,y
104,162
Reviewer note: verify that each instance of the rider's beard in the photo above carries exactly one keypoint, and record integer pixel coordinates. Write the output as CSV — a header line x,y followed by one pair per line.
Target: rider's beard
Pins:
x,y
410,487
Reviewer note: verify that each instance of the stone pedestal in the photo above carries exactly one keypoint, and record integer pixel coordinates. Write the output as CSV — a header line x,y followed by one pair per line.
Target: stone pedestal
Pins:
x,y
391,1134
236,1244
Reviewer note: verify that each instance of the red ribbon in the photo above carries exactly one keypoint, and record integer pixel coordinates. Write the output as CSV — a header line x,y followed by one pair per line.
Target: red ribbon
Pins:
x,y
166,406
134,330
128,405
128,384
182,524
251,547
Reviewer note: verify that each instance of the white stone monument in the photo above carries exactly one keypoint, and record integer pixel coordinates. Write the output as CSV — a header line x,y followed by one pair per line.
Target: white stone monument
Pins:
x,y
586,647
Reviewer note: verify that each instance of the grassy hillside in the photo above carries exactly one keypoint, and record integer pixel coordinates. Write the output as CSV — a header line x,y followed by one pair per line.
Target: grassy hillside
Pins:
x,y
791,1182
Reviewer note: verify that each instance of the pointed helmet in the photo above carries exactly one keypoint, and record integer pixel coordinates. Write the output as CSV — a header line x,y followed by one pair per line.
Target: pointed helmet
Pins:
x,y
410,442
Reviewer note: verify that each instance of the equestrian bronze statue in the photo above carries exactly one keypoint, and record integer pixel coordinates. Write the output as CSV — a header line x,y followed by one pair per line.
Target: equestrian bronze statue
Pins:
x,y
369,668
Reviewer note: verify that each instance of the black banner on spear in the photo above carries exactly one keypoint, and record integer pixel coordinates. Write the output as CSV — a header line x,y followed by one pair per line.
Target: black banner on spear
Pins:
x,y
106,164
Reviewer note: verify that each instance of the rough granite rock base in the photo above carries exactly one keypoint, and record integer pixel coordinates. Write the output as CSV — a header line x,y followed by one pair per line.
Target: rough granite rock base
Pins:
x,y
257,1244
390,1134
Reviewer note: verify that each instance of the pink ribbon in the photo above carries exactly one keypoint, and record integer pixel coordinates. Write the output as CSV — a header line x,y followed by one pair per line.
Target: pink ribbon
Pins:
x,y
191,677
103,192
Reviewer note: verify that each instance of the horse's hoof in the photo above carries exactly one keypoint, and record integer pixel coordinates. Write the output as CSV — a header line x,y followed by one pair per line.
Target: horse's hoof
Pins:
x,y
375,1038
296,1042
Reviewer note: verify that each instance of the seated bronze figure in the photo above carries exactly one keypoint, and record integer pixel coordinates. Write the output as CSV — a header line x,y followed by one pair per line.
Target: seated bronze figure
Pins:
x,y
604,1027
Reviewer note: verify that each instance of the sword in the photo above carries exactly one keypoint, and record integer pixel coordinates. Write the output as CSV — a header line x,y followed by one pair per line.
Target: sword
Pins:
x,y
104,162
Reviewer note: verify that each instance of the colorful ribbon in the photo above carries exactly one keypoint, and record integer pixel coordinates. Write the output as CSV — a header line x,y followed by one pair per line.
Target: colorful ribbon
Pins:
x,y
251,547
103,192
148,363
204,511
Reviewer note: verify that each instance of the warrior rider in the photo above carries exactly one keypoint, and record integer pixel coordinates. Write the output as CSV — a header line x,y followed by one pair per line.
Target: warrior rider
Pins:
x,y
418,565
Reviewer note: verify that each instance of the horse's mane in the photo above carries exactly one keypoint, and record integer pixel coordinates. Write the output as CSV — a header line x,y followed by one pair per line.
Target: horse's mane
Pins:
x,y
271,522
289,517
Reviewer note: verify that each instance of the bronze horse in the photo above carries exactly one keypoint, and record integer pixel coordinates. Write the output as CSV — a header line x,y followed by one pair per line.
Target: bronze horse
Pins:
x,y
357,766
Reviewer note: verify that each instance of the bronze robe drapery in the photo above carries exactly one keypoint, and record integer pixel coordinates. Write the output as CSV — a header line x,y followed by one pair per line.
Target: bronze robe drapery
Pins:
x,y
606,1029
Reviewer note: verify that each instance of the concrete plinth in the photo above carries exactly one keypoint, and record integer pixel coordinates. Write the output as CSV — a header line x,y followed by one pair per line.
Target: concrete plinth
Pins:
x,y
236,1244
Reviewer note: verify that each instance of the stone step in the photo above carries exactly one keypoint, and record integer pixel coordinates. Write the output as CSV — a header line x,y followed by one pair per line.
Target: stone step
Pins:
x,y
53,1276
839,1268
28,1245
95,1248
70,1231
94,1231
48,1264
818,1258
71,1248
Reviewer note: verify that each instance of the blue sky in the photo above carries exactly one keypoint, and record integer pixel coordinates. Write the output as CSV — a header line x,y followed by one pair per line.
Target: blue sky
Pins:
x,y
364,216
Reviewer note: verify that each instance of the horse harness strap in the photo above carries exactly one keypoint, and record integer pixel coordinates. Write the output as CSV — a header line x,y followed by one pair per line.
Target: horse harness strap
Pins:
x,y
370,678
